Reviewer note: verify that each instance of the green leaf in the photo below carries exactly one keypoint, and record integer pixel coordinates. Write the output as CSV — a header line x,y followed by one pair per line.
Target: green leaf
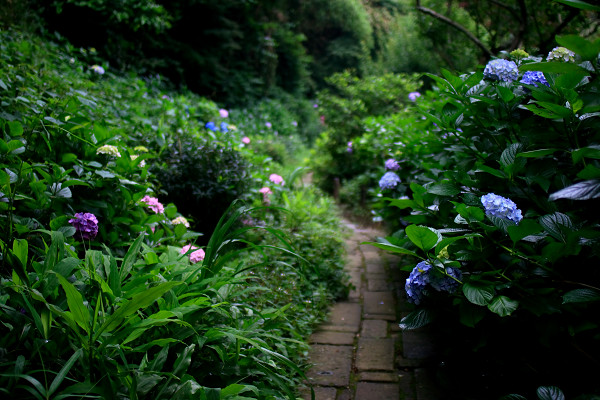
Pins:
x,y
584,190
542,112
140,300
578,4
478,293
443,189
21,250
402,203
586,152
449,240
581,296
490,170
525,228
15,128
130,257
470,314
555,224
385,245
589,172
416,319
423,237
537,153
503,306
550,393
505,93
58,379
76,305
183,361
554,67
501,223
236,388
513,397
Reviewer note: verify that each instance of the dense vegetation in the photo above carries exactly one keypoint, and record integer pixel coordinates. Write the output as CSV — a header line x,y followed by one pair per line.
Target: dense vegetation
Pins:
x,y
156,236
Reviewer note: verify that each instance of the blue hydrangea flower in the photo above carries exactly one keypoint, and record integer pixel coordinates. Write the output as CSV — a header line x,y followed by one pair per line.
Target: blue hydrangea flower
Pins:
x,y
501,70
392,165
224,127
416,284
501,207
211,125
533,78
446,283
389,181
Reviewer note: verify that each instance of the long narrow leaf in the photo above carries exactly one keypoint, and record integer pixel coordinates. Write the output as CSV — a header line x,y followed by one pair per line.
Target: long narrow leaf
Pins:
x,y
64,371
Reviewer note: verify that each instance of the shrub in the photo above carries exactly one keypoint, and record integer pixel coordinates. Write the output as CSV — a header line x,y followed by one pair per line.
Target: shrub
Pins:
x,y
498,151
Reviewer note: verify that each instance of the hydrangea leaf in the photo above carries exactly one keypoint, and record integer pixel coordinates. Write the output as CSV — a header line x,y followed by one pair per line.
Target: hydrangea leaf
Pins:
x,y
537,153
554,67
585,190
525,228
550,393
470,314
578,4
416,319
503,306
443,189
586,152
386,245
555,224
581,296
478,293
423,237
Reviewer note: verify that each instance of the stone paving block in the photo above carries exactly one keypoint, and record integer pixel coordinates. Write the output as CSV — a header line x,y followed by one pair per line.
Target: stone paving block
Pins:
x,y
378,285
387,317
380,303
356,277
374,328
390,377
377,391
321,393
417,344
354,260
332,337
406,381
370,276
338,328
374,266
345,394
345,314
332,365
426,386
375,354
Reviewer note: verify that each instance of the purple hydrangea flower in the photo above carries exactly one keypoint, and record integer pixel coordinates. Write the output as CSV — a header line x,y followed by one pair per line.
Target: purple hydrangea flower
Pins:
x,y
501,207
268,125
412,96
533,78
349,148
389,180
501,70
86,225
416,284
446,283
424,275
223,113
392,165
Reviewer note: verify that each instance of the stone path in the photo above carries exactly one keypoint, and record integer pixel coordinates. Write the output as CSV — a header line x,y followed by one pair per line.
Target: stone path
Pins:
x,y
360,353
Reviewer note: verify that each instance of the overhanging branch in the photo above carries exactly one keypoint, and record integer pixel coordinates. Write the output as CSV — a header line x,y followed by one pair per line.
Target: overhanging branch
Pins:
x,y
455,25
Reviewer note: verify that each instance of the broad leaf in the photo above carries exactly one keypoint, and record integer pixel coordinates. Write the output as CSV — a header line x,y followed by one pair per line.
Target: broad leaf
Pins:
x,y
555,224
503,306
423,237
416,319
581,296
525,228
550,393
80,312
478,293
584,190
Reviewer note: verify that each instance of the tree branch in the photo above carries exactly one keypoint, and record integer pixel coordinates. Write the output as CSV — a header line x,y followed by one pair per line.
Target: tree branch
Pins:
x,y
455,25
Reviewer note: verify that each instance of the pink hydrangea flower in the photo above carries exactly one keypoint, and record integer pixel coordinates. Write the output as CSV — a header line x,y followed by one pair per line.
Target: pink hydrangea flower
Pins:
x,y
265,190
223,113
154,204
196,255
276,179
246,140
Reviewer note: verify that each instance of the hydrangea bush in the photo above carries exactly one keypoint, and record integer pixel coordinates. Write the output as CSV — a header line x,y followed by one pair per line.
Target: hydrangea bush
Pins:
x,y
499,190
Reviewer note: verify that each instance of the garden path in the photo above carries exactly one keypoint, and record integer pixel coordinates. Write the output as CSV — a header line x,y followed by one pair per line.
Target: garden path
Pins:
x,y
360,353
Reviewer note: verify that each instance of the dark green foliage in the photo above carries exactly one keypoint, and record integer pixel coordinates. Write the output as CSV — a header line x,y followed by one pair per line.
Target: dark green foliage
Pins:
x,y
203,178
